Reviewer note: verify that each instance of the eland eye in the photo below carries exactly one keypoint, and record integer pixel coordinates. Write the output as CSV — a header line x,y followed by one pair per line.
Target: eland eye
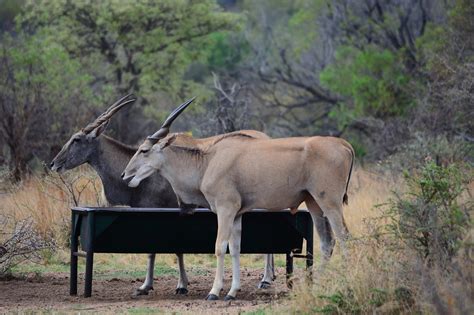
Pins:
x,y
144,150
75,139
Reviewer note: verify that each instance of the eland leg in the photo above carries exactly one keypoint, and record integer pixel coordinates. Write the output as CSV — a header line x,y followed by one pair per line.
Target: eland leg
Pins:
x,y
332,210
148,284
183,282
338,224
234,249
324,231
225,223
269,273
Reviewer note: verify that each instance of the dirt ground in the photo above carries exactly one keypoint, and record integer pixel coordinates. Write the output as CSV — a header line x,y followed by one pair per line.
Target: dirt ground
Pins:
x,y
50,292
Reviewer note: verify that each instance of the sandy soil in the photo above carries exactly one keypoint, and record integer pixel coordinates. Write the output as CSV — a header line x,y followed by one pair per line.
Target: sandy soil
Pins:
x,y
50,292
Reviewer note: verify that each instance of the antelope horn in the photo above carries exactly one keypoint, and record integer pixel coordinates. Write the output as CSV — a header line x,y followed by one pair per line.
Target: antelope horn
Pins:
x,y
108,113
165,128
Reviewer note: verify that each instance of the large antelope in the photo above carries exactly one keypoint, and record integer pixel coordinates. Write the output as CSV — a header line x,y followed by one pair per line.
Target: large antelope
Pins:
x,y
235,173
109,157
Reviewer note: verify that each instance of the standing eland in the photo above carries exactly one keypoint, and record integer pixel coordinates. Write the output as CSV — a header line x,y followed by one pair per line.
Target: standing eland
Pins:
x,y
235,173
108,157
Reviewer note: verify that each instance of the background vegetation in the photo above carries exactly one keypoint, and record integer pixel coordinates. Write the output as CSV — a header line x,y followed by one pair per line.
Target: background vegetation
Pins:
x,y
379,73
395,78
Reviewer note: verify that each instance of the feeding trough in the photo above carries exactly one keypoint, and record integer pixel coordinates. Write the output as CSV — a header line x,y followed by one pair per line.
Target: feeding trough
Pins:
x,y
166,231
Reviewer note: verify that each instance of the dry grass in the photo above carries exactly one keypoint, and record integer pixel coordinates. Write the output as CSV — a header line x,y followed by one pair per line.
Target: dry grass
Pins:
x,y
377,279
47,200
372,279
367,190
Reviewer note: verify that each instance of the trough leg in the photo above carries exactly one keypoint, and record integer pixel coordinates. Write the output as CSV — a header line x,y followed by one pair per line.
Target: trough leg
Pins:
x,y
289,270
73,267
90,255
88,276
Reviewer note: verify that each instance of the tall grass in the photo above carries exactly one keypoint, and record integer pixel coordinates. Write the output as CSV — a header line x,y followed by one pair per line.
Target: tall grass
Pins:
x,y
372,278
46,200
378,276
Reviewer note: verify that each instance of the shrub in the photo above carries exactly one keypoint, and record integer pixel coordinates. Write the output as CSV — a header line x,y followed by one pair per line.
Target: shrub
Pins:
x,y
35,215
22,242
429,219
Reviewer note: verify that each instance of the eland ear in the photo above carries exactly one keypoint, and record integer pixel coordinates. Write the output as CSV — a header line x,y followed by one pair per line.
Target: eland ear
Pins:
x,y
98,130
167,141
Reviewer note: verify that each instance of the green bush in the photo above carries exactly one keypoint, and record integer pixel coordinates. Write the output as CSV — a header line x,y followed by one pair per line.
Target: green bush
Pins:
x,y
430,219
372,80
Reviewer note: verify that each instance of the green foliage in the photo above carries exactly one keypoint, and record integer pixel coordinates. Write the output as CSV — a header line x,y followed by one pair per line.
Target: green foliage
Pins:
x,y
135,46
346,303
36,63
373,82
306,13
40,83
226,51
439,48
376,300
429,219
462,22
359,148
276,24
378,297
431,44
339,303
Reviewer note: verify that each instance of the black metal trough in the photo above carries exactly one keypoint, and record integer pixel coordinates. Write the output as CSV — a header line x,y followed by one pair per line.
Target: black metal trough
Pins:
x,y
165,231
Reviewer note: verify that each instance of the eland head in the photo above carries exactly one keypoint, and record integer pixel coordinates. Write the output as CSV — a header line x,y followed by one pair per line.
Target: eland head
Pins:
x,y
148,159
83,143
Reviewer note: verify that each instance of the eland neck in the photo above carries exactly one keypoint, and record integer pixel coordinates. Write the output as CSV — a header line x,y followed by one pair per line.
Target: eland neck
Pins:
x,y
109,160
184,169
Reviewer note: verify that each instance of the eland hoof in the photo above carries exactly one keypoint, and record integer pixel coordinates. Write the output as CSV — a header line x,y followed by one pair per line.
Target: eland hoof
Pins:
x,y
264,285
145,291
229,298
212,297
181,291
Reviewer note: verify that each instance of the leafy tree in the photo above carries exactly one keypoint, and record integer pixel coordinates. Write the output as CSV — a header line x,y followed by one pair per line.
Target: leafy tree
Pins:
x,y
41,97
392,25
448,67
144,47
227,50
372,81
293,42
290,45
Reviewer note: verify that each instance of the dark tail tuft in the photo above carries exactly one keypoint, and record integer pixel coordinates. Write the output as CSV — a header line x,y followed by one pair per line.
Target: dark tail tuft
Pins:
x,y
345,199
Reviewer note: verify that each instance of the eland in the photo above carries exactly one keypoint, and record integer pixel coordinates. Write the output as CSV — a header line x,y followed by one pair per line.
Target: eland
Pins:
x,y
108,157
235,172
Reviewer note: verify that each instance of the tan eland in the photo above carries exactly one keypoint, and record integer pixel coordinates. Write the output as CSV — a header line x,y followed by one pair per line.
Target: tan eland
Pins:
x,y
237,172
